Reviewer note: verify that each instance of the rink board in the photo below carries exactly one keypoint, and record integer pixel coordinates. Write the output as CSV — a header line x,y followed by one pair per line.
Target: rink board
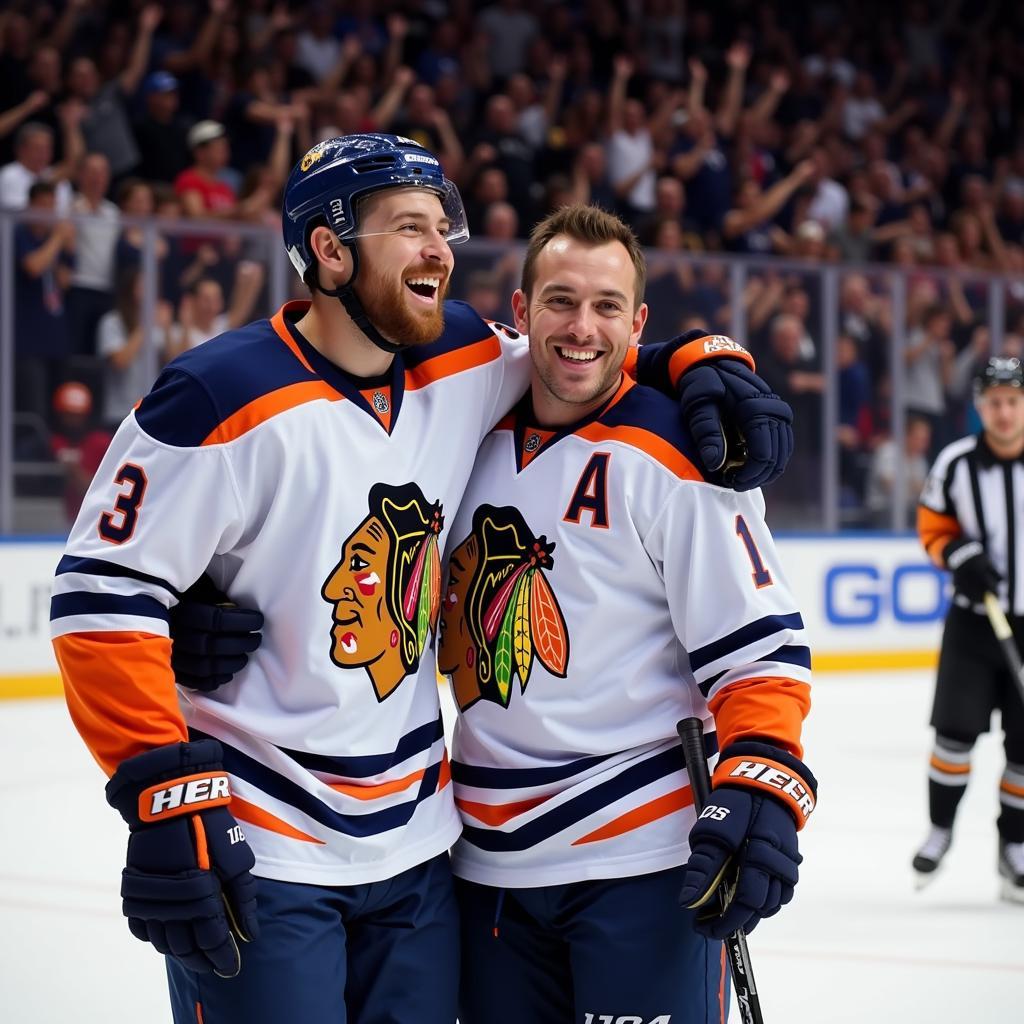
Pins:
x,y
871,602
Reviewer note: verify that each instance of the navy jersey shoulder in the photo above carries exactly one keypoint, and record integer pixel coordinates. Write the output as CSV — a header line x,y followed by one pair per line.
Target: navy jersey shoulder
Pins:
x,y
204,386
644,408
463,326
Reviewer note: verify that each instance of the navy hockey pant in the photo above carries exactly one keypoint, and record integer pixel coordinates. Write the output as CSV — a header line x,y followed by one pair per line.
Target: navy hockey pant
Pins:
x,y
381,953
613,951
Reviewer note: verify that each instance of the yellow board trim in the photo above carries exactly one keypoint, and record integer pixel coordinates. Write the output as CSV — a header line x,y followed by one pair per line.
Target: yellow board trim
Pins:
x,y
18,687
872,661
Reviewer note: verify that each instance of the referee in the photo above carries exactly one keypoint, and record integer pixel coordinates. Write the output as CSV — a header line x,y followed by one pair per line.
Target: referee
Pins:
x,y
971,521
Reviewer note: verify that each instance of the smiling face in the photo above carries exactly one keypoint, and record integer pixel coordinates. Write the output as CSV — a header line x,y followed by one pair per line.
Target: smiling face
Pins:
x,y
405,264
581,316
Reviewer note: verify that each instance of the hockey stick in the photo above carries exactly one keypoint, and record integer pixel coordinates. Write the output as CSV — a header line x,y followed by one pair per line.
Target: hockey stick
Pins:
x,y
691,732
1004,634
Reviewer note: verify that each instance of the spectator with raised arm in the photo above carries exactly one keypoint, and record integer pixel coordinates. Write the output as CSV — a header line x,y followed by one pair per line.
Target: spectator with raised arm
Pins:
x,y
750,226
202,316
106,126
33,161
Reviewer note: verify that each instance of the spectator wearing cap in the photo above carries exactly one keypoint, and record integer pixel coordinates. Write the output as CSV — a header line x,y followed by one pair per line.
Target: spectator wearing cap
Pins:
x,y
92,283
43,260
161,132
33,161
202,188
76,443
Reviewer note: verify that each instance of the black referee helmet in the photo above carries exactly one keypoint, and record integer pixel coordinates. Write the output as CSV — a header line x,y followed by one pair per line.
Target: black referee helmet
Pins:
x,y
999,372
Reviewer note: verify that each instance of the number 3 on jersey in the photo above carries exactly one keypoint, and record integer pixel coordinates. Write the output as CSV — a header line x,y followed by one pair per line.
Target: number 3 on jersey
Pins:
x,y
118,526
761,576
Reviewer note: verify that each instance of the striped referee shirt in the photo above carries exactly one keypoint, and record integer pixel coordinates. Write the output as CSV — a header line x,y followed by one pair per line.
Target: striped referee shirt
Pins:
x,y
970,492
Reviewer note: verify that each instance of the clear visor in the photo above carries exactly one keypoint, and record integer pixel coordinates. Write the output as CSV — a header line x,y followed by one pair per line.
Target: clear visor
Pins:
x,y
451,204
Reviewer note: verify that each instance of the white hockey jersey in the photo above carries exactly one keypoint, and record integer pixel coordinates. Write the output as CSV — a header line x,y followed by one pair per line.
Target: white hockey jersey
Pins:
x,y
324,503
598,590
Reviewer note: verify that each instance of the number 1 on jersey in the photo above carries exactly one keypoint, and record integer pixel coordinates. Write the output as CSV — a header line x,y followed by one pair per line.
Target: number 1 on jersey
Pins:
x,y
762,577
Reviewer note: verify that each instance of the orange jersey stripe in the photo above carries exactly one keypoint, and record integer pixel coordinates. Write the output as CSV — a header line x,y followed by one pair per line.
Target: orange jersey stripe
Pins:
x,y
1009,787
261,409
768,708
630,363
646,441
245,811
372,792
948,768
497,814
277,321
654,809
445,774
486,350
936,531
697,351
120,692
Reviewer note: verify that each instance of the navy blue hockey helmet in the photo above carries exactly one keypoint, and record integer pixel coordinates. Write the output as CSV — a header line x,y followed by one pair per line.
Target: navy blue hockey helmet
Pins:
x,y
326,183
999,371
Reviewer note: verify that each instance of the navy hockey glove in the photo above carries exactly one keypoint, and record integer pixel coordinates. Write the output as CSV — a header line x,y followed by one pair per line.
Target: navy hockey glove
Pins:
x,y
747,834
973,573
212,637
738,424
186,888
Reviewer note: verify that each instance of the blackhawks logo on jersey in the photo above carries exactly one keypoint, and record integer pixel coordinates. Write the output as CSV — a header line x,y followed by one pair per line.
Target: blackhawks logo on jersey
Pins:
x,y
499,615
386,588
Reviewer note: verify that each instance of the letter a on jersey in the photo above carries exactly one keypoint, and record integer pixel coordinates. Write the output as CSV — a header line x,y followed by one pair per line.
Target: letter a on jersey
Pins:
x,y
386,588
499,612
591,493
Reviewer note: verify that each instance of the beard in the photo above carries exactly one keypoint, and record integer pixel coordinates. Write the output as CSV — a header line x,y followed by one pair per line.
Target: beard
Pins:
x,y
385,304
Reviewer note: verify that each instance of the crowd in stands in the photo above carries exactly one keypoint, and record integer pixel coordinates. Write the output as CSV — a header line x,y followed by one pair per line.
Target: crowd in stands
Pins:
x,y
828,132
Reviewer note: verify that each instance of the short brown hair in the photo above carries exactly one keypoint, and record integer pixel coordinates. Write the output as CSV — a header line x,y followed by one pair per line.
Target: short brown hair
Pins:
x,y
591,225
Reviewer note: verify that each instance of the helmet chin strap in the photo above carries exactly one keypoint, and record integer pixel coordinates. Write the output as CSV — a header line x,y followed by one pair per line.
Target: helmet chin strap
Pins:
x,y
346,295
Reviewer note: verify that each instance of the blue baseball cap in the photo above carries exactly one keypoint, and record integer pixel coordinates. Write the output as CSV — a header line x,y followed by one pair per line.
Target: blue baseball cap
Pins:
x,y
160,81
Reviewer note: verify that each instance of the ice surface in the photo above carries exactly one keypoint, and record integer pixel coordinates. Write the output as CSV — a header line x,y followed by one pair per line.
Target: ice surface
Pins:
x,y
858,944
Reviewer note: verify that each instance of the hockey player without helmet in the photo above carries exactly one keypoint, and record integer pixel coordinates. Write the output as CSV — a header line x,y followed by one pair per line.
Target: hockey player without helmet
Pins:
x,y
327,182
999,371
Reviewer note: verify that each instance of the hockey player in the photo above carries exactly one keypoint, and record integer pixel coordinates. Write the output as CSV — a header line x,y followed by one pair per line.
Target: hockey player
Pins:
x,y
309,464
969,521
599,589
